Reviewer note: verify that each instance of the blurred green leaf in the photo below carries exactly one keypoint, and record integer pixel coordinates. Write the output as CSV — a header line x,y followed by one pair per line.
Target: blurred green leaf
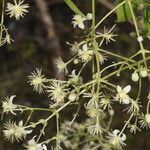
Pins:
x,y
147,21
71,4
123,12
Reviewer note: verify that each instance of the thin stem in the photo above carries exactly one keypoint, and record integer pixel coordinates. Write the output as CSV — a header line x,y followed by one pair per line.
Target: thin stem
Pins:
x,y
109,14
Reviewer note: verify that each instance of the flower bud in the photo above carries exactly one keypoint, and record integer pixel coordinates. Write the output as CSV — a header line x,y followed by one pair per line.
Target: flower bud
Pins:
x,y
143,72
135,77
72,96
76,61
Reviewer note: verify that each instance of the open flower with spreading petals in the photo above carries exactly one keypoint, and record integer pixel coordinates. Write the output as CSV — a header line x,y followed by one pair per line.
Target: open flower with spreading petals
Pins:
x,y
85,54
32,145
37,80
78,20
122,96
116,139
57,91
13,132
8,105
17,10
108,35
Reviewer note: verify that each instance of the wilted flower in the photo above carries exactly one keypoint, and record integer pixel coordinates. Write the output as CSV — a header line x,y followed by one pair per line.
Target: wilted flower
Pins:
x,y
8,105
32,145
8,40
57,90
61,65
133,128
85,54
134,106
122,96
145,121
95,129
37,80
17,10
116,139
12,131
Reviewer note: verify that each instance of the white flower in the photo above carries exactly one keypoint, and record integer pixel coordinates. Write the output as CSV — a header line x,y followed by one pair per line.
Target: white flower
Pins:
x,y
57,91
32,145
133,128
17,10
135,77
108,36
61,65
116,139
78,21
122,96
85,54
37,79
8,105
12,131
8,39
105,103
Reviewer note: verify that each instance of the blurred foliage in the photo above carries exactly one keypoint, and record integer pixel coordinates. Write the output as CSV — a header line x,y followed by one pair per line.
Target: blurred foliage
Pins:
x,y
31,50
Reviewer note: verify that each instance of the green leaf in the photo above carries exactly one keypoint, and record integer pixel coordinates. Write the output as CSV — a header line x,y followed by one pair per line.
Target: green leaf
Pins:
x,y
123,12
147,21
71,4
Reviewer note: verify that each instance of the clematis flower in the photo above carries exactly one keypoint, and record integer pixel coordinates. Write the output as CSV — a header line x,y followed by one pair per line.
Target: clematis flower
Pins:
x,y
116,139
13,132
32,145
17,10
122,96
8,105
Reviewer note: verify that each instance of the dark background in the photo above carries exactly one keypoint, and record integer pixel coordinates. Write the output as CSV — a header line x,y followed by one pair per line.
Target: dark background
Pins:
x,y
40,38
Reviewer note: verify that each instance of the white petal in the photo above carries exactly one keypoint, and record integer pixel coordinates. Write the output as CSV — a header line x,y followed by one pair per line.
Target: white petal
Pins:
x,y
21,123
85,48
81,25
89,16
126,100
116,131
123,137
11,98
127,89
119,88
44,147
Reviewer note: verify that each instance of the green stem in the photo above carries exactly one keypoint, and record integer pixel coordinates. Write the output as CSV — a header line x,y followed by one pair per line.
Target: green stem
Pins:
x,y
109,13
